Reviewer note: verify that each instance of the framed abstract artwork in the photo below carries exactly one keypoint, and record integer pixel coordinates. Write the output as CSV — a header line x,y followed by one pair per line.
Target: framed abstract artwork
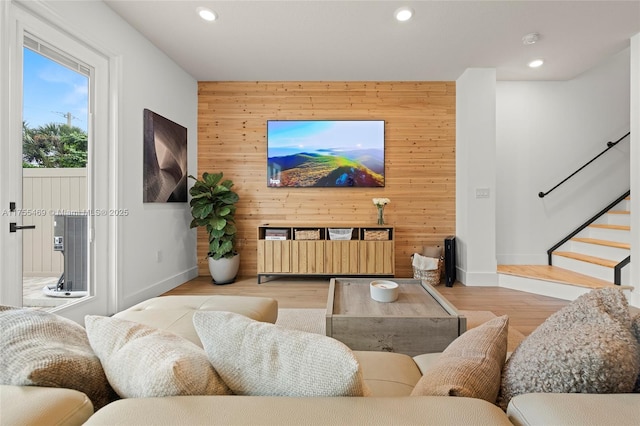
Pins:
x,y
165,160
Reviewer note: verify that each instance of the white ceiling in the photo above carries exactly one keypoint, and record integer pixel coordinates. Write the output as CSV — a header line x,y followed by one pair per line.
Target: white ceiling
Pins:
x,y
308,40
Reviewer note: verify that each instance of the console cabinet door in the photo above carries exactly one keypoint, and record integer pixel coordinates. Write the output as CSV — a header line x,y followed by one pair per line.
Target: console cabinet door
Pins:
x,y
274,256
377,257
307,257
341,257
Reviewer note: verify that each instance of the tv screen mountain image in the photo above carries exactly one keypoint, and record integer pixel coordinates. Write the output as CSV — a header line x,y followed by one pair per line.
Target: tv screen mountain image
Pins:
x,y
325,153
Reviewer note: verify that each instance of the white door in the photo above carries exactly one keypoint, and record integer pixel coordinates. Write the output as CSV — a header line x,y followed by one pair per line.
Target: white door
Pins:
x,y
25,37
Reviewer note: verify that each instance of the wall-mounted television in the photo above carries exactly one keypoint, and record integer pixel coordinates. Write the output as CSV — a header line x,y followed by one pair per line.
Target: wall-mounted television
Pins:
x,y
325,153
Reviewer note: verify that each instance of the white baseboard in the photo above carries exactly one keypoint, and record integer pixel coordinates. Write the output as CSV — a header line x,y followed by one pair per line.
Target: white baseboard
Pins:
x,y
477,279
157,289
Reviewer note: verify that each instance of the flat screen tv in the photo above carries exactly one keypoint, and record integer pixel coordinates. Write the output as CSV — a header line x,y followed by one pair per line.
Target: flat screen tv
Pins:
x,y
325,153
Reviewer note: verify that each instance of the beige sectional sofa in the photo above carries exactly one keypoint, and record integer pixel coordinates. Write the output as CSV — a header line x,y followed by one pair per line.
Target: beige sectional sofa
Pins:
x,y
390,378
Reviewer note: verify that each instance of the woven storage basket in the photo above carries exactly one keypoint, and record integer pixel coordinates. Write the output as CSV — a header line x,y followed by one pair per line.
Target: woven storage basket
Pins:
x,y
307,234
431,277
376,235
340,234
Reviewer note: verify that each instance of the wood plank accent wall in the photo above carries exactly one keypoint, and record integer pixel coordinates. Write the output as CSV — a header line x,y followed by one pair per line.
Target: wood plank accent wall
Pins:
x,y
419,158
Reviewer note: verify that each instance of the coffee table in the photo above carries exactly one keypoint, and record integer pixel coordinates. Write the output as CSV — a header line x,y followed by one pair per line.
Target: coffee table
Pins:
x,y
420,321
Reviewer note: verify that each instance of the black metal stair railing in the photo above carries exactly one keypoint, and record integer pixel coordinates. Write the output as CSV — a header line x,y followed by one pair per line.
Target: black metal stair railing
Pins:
x,y
609,146
620,265
617,270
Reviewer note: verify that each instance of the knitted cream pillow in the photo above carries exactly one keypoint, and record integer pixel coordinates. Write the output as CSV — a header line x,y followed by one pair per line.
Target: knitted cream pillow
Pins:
x,y
635,328
257,358
586,347
141,361
43,349
470,366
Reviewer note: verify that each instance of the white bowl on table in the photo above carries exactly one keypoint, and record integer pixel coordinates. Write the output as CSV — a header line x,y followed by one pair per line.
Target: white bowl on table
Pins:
x,y
384,290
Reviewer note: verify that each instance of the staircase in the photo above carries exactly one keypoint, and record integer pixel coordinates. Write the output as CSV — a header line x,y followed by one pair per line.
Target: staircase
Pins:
x,y
585,261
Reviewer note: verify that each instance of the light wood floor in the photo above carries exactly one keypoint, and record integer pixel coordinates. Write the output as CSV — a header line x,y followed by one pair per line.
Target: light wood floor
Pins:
x,y
526,311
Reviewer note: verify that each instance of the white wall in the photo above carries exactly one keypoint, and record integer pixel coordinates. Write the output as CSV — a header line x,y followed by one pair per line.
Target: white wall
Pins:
x,y
145,78
635,168
476,171
545,131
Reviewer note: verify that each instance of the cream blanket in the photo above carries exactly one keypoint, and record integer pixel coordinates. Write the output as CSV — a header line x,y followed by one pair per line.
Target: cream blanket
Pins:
x,y
424,263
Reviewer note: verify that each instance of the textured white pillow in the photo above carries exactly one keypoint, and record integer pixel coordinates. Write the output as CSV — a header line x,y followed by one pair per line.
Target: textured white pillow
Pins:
x,y
635,328
586,347
257,358
44,349
141,361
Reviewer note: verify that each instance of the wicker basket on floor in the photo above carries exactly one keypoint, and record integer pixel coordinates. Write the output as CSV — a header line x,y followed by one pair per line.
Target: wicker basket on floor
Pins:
x,y
431,277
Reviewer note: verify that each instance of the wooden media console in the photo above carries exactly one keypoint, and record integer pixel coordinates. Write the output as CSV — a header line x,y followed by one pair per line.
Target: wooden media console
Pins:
x,y
325,250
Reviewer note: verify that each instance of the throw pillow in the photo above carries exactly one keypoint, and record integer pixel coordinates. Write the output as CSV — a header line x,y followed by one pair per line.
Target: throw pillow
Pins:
x,y
257,358
586,347
141,361
471,365
432,251
635,328
43,349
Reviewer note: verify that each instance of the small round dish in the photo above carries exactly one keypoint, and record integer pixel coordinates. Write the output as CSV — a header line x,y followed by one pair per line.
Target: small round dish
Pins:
x,y
384,291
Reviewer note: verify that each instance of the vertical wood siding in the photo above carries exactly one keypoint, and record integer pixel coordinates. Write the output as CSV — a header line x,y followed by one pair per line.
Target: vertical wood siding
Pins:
x,y
45,191
419,158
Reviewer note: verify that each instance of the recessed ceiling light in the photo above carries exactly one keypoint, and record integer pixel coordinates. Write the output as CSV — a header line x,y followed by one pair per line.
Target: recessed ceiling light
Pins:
x,y
536,63
207,14
403,14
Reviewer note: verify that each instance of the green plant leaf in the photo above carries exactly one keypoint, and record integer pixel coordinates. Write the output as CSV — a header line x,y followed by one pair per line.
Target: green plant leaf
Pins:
x,y
217,233
230,229
213,207
211,179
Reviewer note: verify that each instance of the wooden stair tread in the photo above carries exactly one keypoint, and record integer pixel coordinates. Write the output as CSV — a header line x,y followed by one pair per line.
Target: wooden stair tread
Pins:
x,y
586,258
607,243
559,275
607,226
619,212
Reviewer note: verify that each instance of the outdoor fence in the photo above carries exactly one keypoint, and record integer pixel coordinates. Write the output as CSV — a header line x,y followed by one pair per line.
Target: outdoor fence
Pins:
x,y
46,192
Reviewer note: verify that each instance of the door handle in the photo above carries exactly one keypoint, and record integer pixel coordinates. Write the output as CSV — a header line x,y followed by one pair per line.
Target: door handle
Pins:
x,y
13,227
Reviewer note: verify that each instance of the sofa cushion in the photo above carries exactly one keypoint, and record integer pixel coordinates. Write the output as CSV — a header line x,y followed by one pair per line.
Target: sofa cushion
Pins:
x,y
141,361
175,313
471,365
256,358
35,405
388,373
581,409
277,411
587,347
43,349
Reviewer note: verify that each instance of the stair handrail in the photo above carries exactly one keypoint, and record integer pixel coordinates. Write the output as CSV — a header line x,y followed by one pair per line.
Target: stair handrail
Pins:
x,y
585,224
617,270
609,146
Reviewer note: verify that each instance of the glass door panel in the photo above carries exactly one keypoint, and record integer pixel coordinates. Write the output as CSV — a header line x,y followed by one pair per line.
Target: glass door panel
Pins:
x,y
54,176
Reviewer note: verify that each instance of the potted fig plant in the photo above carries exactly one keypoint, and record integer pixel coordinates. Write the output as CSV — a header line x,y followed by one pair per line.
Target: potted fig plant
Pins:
x,y
213,207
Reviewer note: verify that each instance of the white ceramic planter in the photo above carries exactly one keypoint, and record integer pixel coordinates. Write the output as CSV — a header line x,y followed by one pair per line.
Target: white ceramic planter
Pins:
x,y
224,271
